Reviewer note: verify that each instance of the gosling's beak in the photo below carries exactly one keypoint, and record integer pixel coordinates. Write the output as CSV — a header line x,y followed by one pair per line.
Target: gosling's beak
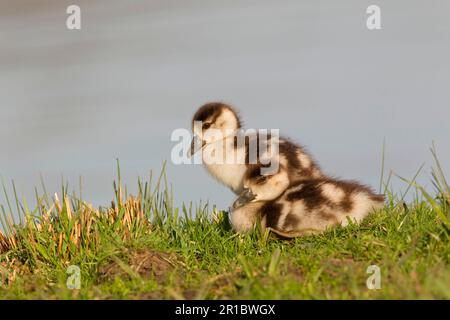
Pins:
x,y
196,144
245,197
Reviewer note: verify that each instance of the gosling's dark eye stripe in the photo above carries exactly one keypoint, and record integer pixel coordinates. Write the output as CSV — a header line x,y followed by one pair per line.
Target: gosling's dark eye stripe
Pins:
x,y
206,125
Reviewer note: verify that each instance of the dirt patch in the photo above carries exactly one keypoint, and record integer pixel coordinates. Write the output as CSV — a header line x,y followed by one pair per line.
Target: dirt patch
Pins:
x,y
295,272
154,295
335,266
143,263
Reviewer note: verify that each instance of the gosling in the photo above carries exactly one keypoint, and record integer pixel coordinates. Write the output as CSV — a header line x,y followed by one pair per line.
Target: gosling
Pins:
x,y
308,207
294,163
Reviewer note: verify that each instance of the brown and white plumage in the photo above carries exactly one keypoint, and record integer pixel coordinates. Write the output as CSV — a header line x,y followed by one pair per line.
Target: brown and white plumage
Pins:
x,y
309,207
293,162
297,199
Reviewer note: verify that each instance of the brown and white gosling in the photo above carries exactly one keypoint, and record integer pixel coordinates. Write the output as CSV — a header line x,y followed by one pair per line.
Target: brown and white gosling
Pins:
x,y
308,207
241,176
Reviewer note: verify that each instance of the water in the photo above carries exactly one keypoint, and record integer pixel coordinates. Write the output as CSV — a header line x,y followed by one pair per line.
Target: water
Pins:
x,y
74,101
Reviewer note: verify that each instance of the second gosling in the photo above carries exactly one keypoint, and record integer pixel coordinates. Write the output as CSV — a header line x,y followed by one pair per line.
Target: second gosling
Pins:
x,y
308,207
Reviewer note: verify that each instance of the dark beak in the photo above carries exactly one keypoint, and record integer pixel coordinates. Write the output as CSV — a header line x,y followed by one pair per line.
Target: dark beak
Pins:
x,y
196,144
245,197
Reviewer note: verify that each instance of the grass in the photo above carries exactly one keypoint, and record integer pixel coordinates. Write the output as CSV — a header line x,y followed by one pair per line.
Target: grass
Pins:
x,y
143,247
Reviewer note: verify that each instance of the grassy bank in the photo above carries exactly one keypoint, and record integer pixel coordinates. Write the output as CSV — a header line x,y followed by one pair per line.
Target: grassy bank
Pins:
x,y
143,247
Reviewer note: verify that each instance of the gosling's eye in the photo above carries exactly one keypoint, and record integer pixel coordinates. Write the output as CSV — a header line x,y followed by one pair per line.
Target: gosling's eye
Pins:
x,y
261,178
206,125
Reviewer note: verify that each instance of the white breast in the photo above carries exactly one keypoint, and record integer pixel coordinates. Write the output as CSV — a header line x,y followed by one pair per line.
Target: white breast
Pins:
x,y
231,169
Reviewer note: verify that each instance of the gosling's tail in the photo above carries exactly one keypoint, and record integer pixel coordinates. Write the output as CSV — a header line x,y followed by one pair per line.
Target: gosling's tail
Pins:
x,y
364,203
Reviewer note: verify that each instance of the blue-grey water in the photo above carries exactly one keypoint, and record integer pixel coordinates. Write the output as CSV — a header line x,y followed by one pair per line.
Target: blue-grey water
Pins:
x,y
71,102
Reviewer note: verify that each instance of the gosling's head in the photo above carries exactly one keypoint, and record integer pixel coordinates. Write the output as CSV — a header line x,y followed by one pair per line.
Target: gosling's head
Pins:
x,y
213,121
265,187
